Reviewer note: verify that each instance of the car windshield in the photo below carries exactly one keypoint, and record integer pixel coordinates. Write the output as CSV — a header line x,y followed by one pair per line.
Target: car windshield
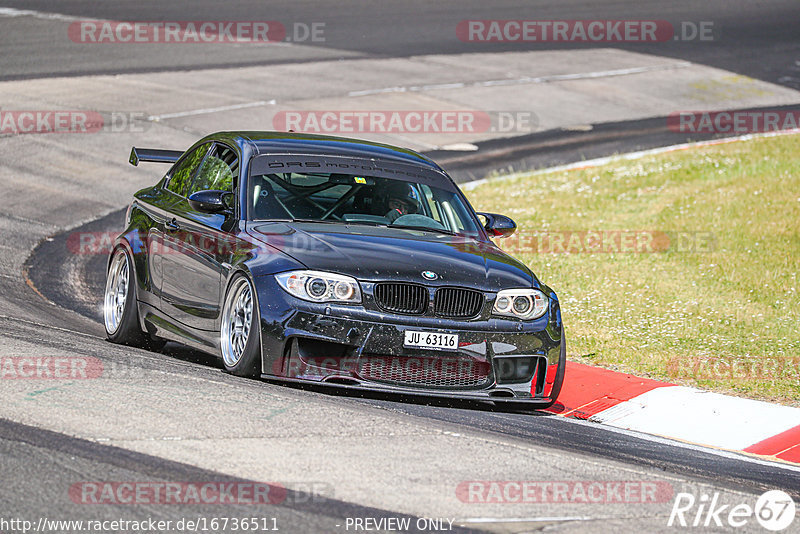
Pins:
x,y
354,199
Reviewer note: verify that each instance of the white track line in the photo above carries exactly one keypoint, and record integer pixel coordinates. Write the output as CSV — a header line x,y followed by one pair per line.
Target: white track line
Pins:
x,y
478,520
11,12
523,80
204,111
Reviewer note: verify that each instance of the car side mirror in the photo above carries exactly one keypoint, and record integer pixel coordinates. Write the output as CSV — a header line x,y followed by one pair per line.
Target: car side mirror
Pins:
x,y
212,201
498,225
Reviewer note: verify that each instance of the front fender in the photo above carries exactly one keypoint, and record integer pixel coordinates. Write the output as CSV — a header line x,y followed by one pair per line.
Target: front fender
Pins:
x,y
266,260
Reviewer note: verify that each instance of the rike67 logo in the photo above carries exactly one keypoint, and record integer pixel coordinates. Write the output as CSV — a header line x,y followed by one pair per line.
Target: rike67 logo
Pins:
x,y
774,511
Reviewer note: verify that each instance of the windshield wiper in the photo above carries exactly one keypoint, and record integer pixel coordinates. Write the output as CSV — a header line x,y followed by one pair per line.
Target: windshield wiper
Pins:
x,y
324,221
423,228
335,221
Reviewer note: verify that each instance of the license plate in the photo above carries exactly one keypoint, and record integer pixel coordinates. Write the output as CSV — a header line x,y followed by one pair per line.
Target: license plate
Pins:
x,y
431,340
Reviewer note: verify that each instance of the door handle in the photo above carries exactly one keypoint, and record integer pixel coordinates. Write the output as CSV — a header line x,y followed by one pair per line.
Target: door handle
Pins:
x,y
172,225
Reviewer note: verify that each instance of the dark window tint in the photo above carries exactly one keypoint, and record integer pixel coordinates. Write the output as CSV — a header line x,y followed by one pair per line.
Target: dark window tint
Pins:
x,y
181,178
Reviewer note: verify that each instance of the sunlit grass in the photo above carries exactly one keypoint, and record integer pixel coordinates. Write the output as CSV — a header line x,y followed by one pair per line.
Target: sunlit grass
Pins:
x,y
720,307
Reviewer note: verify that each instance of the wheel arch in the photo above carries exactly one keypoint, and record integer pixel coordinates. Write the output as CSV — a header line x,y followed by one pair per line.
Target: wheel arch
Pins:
x,y
241,270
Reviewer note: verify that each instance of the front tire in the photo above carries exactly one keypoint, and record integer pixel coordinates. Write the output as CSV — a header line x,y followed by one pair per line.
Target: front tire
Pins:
x,y
240,342
120,312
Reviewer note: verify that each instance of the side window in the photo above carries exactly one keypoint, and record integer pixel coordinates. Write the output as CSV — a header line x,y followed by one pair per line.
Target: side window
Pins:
x,y
220,170
181,177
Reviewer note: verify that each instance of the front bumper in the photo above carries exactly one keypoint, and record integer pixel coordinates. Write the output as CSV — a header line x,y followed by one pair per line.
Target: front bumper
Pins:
x,y
349,347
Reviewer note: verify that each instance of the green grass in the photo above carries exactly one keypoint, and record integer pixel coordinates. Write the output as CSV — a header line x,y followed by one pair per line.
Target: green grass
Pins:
x,y
724,317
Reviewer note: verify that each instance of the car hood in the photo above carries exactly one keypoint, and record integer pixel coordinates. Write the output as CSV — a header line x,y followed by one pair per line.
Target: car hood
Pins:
x,y
379,253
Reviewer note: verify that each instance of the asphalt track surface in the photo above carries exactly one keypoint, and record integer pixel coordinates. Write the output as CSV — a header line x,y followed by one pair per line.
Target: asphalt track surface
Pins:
x,y
46,453
752,38
52,262
761,43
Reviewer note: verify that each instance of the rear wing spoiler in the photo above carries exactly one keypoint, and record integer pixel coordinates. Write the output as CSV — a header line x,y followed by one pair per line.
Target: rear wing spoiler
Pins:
x,y
155,155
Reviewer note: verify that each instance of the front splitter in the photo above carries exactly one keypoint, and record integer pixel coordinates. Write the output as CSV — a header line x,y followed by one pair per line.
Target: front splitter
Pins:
x,y
475,396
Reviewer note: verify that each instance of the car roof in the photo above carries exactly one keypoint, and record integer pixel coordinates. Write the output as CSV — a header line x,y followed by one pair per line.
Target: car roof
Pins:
x,y
266,142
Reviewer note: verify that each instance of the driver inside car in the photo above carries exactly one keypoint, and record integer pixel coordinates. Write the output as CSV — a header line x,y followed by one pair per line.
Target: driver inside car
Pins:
x,y
399,201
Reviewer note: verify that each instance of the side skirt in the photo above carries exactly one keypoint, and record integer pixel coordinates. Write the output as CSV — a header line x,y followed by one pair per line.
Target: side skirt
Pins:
x,y
161,325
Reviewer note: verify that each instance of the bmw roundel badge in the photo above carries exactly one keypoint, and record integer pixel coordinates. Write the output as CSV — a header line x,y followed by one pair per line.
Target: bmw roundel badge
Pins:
x,y
429,275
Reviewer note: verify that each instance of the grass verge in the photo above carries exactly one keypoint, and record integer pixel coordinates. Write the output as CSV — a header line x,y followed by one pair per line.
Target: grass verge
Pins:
x,y
681,266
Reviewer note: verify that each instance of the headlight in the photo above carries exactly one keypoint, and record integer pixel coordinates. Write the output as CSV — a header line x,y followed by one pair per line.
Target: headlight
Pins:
x,y
318,286
520,303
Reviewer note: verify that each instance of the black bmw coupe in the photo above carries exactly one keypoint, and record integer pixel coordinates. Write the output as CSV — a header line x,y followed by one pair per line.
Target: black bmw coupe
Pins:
x,y
322,259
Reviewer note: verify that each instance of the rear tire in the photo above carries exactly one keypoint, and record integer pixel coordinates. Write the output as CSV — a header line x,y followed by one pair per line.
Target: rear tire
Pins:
x,y
240,342
120,312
